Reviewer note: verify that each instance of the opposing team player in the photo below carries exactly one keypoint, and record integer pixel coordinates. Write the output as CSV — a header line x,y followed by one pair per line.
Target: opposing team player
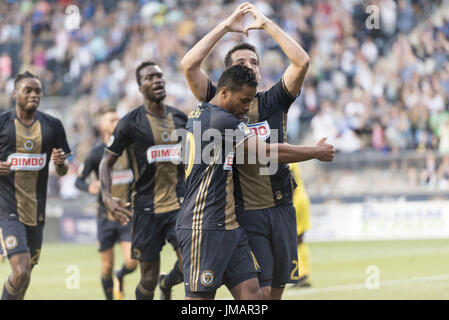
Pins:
x,y
301,202
265,207
215,250
29,139
158,187
109,231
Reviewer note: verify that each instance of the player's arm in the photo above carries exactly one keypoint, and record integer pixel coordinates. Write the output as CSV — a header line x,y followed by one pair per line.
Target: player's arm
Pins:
x,y
61,150
115,205
58,157
191,63
81,183
287,153
294,75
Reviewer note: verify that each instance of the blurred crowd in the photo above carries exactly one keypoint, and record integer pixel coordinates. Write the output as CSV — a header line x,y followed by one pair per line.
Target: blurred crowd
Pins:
x,y
378,78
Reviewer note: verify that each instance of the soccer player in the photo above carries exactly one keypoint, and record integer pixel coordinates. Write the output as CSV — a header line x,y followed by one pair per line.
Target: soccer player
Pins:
x,y
215,250
158,186
265,207
301,202
108,229
29,139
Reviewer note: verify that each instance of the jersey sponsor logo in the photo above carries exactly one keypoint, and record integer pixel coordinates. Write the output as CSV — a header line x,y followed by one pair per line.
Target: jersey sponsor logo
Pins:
x,y
207,278
110,141
164,153
122,177
229,160
27,161
261,129
11,242
244,128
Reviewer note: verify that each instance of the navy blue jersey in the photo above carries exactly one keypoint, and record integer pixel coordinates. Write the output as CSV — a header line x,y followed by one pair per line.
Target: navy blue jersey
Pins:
x,y
28,148
268,112
158,179
209,202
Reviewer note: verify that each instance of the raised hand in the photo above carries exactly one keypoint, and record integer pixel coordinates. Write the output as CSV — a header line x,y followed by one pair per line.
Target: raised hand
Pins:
x,y
325,152
234,22
259,20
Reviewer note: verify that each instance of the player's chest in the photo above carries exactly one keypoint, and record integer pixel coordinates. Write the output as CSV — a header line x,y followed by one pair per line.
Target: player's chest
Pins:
x,y
158,141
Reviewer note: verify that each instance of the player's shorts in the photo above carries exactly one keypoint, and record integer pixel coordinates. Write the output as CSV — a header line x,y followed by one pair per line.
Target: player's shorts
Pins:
x,y
16,238
273,239
149,233
111,231
215,257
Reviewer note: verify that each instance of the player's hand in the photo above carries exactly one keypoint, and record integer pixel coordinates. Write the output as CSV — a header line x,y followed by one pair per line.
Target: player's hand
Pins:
x,y
94,187
117,207
234,22
325,152
5,168
259,20
58,156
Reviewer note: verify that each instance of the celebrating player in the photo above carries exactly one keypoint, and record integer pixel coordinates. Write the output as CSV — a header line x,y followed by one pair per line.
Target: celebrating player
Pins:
x,y
215,249
108,229
28,140
159,183
265,207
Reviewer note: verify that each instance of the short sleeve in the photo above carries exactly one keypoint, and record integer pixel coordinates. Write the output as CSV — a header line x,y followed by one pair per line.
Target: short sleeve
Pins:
x,y
234,131
120,139
211,90
277,98
61,138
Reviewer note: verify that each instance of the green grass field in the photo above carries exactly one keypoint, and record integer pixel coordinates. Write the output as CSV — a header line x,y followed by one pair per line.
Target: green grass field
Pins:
x,y
406,270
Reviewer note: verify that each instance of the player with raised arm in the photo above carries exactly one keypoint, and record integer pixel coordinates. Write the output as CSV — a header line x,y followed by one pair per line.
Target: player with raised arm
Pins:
x,y
158,186
109,231
215,250
29,140
265,208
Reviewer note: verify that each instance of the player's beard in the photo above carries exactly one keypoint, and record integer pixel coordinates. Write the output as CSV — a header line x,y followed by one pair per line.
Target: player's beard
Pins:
x,y
28,110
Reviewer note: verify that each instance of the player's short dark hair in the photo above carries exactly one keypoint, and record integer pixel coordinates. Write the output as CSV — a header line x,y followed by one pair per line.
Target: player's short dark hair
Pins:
x,y
140,67
235,77
239,46
24,75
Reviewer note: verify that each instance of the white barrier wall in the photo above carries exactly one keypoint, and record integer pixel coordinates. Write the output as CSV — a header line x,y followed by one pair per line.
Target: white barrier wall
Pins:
x,y
379,220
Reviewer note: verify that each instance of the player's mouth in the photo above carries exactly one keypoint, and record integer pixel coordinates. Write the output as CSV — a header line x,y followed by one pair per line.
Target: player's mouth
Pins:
x,y
159,90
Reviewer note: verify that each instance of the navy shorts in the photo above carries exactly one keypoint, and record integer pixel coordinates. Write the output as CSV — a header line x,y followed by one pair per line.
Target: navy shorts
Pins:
x,y
111,231
272,237
16,237
150,232
215,257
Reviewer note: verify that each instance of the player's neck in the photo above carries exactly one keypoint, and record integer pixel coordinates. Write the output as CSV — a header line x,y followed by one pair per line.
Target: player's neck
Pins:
x,y
217,101
26,118
155,108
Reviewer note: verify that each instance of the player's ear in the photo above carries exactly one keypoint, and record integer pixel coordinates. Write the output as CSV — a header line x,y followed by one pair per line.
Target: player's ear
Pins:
x,y
225,92
14,93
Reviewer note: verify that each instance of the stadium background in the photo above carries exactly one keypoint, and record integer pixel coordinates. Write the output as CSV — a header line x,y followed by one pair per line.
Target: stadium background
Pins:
x,y
380,211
